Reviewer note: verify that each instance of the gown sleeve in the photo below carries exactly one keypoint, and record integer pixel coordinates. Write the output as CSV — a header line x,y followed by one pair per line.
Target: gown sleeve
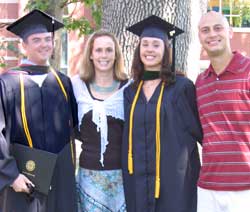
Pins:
x,y
186,106
8,167
73,105
127,104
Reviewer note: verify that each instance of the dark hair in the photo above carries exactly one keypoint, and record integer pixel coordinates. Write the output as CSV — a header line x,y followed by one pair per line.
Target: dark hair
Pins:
x,y
166,74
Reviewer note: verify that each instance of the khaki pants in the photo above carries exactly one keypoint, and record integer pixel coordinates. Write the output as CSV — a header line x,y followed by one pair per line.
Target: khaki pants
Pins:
x,y
223,201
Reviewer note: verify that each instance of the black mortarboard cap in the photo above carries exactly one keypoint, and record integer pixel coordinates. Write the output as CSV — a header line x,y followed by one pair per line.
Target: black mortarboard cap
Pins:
x,y
34,22
153,26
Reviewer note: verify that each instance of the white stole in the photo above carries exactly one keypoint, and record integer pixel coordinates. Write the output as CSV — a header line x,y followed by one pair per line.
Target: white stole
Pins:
x,y
112,106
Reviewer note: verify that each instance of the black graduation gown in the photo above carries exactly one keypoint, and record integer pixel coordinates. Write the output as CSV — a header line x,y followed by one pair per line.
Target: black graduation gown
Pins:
x,y
179,163
48,116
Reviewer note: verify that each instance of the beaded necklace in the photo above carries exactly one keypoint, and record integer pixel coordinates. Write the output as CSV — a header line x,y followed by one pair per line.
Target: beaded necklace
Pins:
x,y
101,89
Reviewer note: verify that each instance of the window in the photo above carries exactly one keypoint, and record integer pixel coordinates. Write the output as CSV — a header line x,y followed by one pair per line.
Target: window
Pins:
x,y
64,53
236,11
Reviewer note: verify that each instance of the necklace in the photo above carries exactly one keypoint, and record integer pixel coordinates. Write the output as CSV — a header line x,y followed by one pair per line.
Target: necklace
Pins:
x,y
101,89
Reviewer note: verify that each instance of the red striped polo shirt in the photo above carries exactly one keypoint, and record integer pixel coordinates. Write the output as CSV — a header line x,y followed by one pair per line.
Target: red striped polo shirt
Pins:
x,y
224,109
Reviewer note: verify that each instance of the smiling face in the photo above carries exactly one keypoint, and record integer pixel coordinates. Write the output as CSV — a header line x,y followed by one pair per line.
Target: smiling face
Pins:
x,y
215,34
103,54
151,53
39,47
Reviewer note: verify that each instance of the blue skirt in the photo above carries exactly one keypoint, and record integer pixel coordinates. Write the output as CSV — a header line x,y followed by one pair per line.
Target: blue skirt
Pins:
x,y
100,191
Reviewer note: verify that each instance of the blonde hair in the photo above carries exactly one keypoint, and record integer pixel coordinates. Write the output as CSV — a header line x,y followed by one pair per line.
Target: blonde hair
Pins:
x,y
87,69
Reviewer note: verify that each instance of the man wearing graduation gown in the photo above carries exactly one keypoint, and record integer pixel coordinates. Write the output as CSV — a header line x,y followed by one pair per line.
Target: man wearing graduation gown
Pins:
x,y
50,113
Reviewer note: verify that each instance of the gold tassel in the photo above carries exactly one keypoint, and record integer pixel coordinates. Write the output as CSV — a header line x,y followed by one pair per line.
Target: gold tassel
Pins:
x,y
157,188
130,143
158,143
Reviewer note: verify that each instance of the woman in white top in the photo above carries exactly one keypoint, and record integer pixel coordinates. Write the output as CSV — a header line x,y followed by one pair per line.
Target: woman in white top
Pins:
x,y
99,93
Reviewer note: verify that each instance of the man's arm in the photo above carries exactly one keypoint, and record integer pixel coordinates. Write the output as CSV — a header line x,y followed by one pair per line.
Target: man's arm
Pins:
x,y
9,174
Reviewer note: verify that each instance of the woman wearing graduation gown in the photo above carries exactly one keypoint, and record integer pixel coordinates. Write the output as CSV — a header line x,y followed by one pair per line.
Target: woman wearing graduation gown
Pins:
x,y
99,94
160,159
37,110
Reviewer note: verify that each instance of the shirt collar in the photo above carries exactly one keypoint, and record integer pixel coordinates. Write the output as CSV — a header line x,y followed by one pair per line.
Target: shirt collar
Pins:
x,y
234,66
28,62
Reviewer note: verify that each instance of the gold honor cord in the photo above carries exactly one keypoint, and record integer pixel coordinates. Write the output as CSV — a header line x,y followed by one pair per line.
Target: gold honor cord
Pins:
x,y
23,113
60,83
131,116
157,136
158,142
66,97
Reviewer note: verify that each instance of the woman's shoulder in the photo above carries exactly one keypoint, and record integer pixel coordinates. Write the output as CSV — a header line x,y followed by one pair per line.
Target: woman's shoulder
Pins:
x,y
124,84
76,78
78,85
183,81
181,87
77,81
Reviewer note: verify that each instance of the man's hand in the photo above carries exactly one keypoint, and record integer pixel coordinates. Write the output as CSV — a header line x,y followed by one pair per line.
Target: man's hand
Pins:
x,y
20,184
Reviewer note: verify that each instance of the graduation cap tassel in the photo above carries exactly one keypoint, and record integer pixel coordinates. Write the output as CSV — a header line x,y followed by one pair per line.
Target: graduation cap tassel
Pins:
x,y
53,35
173,56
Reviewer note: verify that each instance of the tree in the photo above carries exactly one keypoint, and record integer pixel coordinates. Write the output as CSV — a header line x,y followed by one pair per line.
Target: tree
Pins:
x,y
117,15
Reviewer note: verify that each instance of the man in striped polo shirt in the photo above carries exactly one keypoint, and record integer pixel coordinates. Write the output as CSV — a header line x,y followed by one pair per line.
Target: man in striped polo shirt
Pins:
x,y
223,98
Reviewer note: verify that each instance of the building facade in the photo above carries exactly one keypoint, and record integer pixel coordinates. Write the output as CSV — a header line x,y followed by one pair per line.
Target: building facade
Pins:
x,y
10,54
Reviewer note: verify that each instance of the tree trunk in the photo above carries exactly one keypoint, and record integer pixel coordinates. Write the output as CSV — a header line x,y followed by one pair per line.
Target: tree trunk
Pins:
x,y
188,48
117,15
56,11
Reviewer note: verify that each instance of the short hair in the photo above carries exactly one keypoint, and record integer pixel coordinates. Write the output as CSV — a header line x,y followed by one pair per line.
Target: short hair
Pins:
x,y
87,69
215,13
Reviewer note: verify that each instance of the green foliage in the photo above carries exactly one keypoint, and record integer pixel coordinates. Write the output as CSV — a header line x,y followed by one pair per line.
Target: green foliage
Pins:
x,y
81,24
243,12
2,61
246,15
89,2
12,46
8,46
2,47
37,4
240,11
96,9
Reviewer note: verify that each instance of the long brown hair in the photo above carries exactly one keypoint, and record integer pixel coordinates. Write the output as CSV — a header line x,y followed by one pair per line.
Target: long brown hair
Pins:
x,y
87,69
166,74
